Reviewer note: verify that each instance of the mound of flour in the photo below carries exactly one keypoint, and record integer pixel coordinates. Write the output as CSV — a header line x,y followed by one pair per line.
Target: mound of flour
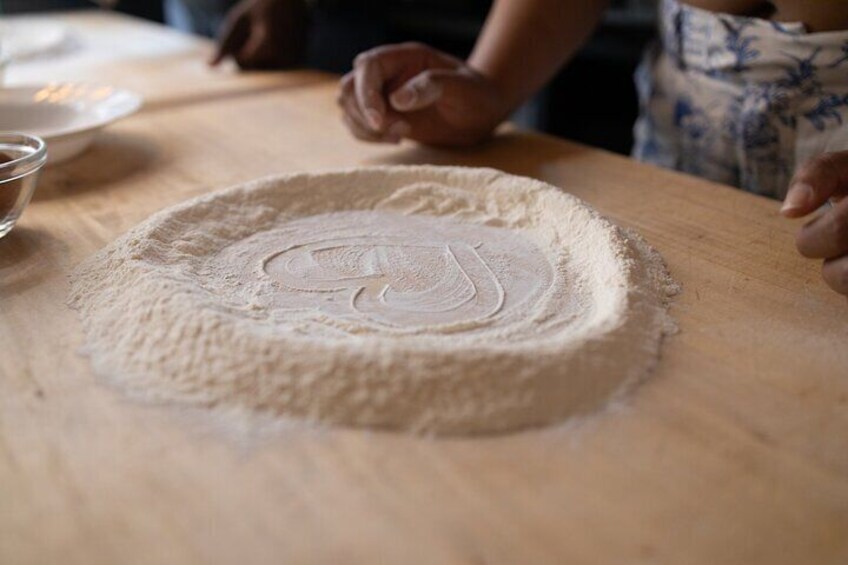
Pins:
x,y
443,300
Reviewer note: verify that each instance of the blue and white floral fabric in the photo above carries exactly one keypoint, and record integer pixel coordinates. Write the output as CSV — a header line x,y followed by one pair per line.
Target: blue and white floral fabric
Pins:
x,y
740,100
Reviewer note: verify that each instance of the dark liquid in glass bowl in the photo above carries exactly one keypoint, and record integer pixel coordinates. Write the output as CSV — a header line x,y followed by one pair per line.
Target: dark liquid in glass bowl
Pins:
x,y
9,191
13,192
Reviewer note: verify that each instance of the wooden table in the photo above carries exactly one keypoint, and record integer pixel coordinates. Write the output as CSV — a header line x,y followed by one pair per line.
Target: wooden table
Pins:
x,y
735,451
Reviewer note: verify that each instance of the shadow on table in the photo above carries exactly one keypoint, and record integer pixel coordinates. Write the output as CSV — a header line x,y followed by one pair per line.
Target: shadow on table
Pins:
x,y
112,158
27,257
513,152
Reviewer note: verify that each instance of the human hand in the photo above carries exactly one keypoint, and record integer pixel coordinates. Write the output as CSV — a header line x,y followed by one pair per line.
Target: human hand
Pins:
x,y
263,34
819,180
410,90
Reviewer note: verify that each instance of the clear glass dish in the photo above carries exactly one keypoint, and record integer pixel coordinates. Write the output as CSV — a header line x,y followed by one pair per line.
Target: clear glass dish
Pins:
x,y
21,159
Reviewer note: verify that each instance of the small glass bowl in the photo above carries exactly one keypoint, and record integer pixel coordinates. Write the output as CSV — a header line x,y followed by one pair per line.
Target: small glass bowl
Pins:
x,y
21,159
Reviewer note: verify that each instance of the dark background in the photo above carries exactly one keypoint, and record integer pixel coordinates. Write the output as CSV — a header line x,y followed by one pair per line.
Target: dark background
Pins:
x,y
591,100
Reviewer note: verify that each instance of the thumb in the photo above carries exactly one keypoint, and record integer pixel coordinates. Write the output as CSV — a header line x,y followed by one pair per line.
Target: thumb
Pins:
x,y
421,91
816,181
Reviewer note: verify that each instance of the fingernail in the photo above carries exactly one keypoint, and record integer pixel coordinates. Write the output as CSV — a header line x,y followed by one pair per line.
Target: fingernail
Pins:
x,y
799,196
403,98
375,120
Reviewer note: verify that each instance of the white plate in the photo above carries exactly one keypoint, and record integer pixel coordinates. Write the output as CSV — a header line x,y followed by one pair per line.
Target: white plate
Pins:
x,y
66,115
23,39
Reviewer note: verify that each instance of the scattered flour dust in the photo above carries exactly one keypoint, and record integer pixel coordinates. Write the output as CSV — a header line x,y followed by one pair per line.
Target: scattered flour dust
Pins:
x,y
430,299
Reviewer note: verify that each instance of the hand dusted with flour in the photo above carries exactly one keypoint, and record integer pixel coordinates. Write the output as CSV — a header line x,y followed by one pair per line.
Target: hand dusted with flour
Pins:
x,y
442,300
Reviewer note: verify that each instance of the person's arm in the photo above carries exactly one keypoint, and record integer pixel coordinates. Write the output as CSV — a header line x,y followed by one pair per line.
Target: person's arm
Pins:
x,y
525,42
412,90
821,180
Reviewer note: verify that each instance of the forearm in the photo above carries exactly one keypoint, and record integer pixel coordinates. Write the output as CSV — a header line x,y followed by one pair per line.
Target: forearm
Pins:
x,y
524,42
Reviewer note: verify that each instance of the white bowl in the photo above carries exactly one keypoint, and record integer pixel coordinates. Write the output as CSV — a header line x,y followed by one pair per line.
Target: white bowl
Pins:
x,y
66,115
25,38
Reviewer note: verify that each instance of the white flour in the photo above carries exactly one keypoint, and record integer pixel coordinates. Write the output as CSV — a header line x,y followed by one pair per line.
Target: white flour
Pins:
x,y
442,300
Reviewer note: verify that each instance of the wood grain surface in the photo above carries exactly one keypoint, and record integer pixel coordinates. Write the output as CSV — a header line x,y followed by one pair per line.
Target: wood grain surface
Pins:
x,y
734,451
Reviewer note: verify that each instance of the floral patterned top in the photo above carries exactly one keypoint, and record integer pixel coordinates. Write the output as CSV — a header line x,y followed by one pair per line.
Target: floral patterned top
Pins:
x,y
740,100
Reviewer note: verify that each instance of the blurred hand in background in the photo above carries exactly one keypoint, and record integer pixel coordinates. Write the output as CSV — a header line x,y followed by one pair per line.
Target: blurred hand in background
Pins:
x,y
264,34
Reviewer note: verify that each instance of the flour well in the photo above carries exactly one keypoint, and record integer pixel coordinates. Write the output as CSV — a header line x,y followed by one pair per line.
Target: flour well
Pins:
x,y
444,300
383,273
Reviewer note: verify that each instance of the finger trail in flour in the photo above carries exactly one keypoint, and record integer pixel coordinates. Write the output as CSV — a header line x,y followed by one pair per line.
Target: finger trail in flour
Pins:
x,y
386,272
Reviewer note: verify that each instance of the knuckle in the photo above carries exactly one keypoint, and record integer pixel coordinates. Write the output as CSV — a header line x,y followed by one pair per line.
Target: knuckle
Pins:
x,y
363,59
821,161
414,46
823,164
838,228
381,51
371,56
835,274
809,169
826,160
806,242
